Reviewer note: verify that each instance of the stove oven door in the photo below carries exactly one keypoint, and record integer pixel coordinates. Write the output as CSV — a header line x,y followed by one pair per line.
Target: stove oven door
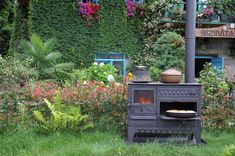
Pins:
x,y
142,103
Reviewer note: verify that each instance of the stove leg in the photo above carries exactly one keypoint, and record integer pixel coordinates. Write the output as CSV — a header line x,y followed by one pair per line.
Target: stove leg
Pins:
x,y
197,135
131,133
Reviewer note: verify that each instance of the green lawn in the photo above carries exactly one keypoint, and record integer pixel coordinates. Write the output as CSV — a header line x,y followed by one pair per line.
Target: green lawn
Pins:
x,y
24,142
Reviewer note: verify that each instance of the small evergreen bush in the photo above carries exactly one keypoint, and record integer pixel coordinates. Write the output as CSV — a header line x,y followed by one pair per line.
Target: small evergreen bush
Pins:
x,y
169,49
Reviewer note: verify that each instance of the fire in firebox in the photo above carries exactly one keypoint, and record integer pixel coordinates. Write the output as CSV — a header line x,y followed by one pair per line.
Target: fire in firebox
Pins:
x,y
145,100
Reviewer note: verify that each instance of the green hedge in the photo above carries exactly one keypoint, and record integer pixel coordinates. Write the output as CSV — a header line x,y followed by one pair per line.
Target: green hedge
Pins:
x,y
21,26
77,41
6,20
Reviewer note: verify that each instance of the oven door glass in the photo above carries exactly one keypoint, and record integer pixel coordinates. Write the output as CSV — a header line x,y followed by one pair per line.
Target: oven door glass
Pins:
x,y
144,97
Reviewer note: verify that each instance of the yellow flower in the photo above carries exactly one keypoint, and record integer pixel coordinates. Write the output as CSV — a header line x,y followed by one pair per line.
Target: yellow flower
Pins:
x,y
129,76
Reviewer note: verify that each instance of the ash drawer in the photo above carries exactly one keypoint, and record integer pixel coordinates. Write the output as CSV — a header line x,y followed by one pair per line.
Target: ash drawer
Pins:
x,y
179,92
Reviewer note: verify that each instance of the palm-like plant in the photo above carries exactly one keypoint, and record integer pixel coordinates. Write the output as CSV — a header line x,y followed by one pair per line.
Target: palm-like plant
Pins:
x,y
44,56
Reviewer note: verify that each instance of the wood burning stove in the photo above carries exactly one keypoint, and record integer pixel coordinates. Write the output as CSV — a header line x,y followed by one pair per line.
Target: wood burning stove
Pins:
x,y
148,106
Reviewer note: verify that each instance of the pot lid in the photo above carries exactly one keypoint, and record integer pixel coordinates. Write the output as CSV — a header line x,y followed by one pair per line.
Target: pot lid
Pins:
x,y
171,72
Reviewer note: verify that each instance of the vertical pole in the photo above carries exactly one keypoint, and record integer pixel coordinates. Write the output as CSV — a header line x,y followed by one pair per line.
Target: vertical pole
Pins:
x,y
233,97
190,29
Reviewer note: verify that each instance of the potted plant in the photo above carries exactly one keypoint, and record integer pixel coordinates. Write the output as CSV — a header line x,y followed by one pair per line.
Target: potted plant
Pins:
x,y
208,13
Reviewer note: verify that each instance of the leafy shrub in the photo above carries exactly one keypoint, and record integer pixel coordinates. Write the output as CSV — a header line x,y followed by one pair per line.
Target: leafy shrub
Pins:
x,y
8,109
169,49
61,117
44,57
216,106
97,72
100,101
227,7
12,111
154,73
14,71
96,99
100,72
152,27
78,75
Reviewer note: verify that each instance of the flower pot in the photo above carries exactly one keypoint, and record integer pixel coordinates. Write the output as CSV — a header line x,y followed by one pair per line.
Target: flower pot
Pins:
x,y
203,20
171,76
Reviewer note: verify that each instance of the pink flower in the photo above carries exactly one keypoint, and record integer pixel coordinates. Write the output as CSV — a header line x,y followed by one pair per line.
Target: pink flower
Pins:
x,y
134,8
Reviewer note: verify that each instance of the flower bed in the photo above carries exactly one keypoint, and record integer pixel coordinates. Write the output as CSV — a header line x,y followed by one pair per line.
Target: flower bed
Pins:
x,y
94,98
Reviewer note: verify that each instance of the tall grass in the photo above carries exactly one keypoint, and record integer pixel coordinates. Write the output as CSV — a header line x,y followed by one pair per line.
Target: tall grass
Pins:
x,y
25,142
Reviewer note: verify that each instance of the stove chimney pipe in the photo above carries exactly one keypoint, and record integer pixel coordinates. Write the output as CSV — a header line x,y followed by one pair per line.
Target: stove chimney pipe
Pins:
x,y
190,29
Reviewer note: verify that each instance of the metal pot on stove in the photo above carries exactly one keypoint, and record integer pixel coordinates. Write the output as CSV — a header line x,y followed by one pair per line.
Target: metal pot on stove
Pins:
x,y
141,74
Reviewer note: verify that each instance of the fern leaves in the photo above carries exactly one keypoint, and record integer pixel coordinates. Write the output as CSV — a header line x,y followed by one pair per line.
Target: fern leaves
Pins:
x,y
61,117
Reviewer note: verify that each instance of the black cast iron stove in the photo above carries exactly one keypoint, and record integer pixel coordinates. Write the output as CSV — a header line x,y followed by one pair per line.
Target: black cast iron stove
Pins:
x,y
148,104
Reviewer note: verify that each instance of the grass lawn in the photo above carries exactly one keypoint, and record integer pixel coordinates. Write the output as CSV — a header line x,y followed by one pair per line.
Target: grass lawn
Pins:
x,y
25,142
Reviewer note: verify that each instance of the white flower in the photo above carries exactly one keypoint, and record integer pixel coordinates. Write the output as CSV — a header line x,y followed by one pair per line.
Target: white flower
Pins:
x,y
110,78
95,63
101,64
85,82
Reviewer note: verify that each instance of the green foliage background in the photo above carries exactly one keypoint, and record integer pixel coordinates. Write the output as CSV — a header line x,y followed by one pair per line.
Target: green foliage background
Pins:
x,y
6,21
78,42
20,27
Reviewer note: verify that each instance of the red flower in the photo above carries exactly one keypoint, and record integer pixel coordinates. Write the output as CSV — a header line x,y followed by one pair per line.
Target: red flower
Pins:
x,y
38,91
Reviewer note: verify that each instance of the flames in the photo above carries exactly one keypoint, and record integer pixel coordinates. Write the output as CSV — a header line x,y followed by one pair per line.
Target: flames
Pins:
x,y
145,100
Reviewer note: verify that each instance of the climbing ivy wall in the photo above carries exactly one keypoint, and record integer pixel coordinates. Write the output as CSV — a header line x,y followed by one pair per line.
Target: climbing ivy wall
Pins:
x,y
6,22
114,32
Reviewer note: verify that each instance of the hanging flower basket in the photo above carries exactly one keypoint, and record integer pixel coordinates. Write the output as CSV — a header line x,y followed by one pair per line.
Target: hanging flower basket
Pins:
x,y
134,9
89,11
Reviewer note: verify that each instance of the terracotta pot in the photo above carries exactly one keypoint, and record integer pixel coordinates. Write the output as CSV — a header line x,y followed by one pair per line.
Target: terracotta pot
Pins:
x,y
171,76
